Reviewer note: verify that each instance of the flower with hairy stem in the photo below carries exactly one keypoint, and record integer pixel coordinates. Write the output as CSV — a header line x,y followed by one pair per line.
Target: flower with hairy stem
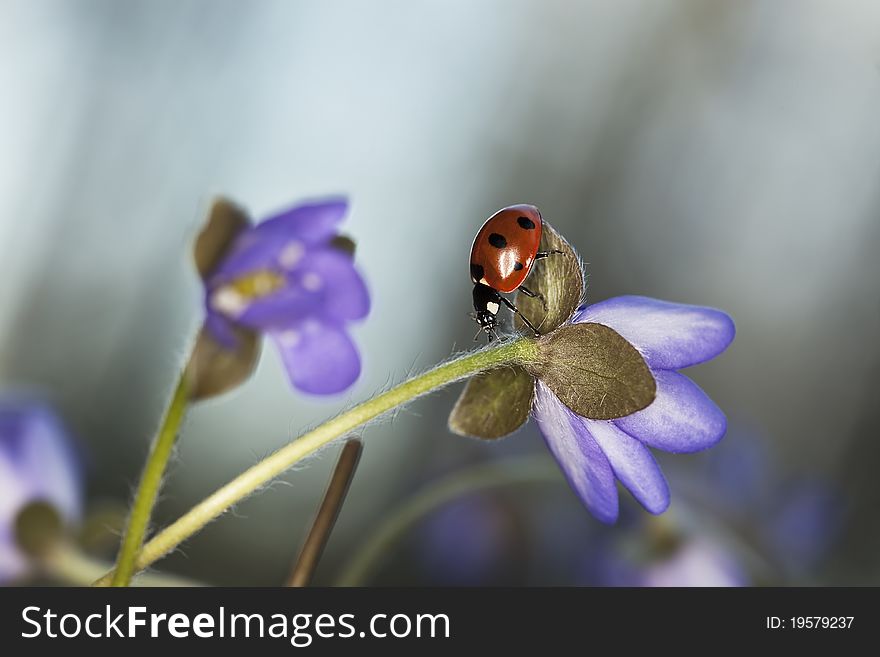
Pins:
x,y
593,370
40,483
606,387
291,277
593,453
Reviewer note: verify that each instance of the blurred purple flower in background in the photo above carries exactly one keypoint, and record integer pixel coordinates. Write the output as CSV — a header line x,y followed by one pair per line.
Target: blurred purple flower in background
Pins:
x,y
465,542
742,522
796,516
696,562
682,418
37,465
285,277
806,522
677,560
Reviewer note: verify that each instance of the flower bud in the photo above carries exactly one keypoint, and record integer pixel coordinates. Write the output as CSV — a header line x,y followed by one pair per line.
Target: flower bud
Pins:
x,y
559,279
38,528
214,368
225,221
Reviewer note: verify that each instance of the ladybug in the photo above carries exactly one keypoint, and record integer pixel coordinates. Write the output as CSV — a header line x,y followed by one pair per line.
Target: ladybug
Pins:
x,y
504,251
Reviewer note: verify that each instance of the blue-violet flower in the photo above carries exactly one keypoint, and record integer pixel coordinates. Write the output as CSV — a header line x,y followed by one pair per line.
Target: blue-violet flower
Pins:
x,y
37,465
284,277
682,418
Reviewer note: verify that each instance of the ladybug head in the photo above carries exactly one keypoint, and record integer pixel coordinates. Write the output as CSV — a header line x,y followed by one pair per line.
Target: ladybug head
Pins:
x,y
487,302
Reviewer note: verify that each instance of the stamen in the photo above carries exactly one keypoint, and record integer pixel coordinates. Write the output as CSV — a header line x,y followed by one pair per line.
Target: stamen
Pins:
x,y
312,282
233,298
229,302
291,254
289,338
258,284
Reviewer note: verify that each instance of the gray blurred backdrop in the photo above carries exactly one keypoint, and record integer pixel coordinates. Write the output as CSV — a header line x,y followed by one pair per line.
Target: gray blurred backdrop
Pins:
x,y
707,152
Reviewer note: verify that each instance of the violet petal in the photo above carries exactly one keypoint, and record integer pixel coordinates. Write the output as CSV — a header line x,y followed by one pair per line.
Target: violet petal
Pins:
x,y
276,311
580,457
41,463
282,240
13,563
15,492
37,464
331,274
320,357
220,329
633,464
669,335
50,465
681,418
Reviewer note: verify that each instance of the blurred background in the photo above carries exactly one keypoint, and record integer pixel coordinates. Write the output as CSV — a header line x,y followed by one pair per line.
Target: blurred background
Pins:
x,y
714,153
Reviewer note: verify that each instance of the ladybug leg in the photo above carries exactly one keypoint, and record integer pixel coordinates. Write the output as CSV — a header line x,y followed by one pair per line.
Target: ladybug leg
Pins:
x,y
540,255
533,295
491,334
513,308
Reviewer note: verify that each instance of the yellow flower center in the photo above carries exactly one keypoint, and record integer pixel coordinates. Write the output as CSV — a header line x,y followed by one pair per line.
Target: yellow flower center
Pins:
x,y
257,284
233,298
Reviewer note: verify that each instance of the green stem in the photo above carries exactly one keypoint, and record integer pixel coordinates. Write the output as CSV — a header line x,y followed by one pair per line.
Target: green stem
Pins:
x,y
67,564
151,480
513,471
520,351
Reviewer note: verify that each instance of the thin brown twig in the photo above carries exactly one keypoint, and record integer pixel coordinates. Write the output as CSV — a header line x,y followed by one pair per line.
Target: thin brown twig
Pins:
x,y
313,548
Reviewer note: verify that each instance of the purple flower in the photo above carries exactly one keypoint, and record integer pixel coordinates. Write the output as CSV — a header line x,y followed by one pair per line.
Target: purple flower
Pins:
x,y
697,562
682,418
36,465
796,517
285,277
694,561
463,542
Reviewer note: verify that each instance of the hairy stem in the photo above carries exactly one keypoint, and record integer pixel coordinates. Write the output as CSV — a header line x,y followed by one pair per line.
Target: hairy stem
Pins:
x,y
67,564
516,352
151,481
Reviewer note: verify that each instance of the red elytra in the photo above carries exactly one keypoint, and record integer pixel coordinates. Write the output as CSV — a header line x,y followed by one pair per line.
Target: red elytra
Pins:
x,y
505,247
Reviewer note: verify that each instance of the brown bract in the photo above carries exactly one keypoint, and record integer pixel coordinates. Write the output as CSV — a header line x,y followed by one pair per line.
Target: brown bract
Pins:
x,y
594,371
225,221
214,368
493,404
559,278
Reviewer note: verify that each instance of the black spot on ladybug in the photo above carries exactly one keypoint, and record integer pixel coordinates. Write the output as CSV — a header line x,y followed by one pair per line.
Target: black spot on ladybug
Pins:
x,y
526,223
497,241
476,272
518,266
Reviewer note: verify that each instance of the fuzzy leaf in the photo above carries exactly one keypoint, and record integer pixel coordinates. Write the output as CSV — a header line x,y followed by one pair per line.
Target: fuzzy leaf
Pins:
x,y
38,528
345,244
214,369
559,278
493,404
594,371
225,221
